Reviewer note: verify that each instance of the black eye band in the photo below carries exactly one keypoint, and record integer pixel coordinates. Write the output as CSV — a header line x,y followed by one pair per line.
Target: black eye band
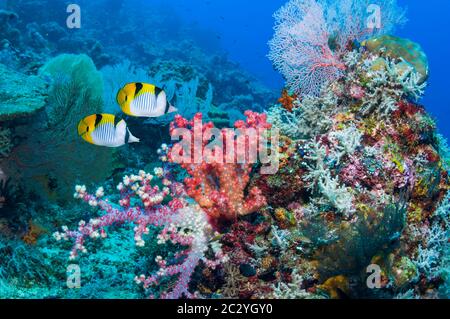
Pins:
x,y
139,87
98,119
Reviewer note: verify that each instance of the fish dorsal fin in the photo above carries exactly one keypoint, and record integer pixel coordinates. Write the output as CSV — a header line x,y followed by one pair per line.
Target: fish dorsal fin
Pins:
x,y
106,119
117,120
121,124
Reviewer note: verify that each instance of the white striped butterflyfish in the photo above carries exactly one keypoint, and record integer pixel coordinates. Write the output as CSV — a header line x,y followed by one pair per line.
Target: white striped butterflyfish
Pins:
x,y
105,130
143,100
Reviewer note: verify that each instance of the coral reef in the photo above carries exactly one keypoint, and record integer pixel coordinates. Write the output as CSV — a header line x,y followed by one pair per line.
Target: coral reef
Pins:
x,y
372,176
362,183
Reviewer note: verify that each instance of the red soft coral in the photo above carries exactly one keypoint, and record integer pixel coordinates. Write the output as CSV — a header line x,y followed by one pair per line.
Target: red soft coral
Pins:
x,y
221,187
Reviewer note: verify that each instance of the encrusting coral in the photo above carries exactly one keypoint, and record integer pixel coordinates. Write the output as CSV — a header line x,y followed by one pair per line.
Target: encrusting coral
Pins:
x,y
21,95
402,49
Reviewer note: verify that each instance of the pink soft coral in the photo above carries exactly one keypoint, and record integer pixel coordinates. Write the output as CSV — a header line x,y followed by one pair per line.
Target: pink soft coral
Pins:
x,y
220,187
141,204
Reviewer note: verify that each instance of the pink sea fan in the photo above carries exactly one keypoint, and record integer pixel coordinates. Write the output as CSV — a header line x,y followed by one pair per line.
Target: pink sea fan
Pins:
x,y
312,37
300,48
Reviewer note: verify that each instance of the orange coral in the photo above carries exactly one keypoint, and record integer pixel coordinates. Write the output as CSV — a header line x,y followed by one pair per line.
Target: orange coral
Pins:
x,y
286,150
287,101
34,232
344,117
336,287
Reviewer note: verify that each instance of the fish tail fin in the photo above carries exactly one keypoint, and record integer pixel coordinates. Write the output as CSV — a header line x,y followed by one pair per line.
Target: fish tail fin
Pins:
x,y
172,109
173,101
132,138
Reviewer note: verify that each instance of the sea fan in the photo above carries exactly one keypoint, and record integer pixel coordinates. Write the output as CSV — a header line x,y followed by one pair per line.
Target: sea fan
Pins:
x,y
312,36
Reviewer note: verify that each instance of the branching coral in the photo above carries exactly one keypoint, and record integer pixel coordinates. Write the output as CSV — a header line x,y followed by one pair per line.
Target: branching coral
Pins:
x,y
374,170
363,176
385,81
293,289
309,117
142,204
429,256
322,158
345,142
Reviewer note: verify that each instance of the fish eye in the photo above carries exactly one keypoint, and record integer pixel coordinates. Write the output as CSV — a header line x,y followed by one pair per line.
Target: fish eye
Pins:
x,y
87,129
126,98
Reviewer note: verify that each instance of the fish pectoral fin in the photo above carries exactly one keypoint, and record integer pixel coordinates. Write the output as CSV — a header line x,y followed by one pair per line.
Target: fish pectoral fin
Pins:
x,y
121,132
132,138
172,109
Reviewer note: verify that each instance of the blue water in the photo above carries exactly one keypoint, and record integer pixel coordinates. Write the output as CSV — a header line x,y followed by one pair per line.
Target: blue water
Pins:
x,y
245,27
